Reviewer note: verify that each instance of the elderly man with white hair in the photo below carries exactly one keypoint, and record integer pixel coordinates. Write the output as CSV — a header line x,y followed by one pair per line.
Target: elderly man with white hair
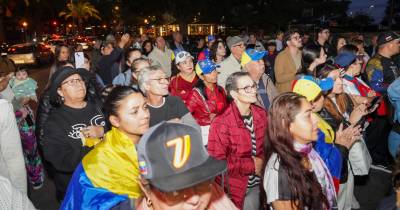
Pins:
x,y
153,82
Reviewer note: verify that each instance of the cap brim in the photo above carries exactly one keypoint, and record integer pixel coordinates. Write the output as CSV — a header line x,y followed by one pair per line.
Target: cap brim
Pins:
x,y
259,55
382,43
326,84
206,171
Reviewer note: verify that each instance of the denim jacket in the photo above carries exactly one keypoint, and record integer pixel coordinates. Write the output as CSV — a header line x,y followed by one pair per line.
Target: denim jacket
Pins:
x,y
123,78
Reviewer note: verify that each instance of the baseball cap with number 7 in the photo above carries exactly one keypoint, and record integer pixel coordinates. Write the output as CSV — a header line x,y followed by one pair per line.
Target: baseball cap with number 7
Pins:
x,y
172,157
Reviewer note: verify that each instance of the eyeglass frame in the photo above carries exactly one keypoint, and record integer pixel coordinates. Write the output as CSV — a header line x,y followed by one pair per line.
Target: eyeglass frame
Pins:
x,y
247,88
296,37
239,45
163,78
73,82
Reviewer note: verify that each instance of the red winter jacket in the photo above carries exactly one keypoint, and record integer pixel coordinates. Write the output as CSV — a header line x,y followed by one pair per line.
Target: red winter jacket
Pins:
x,y
230,140
202,112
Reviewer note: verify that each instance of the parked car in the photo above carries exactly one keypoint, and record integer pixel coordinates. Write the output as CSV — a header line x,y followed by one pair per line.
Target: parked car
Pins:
x,y
30,54
84,41
53,43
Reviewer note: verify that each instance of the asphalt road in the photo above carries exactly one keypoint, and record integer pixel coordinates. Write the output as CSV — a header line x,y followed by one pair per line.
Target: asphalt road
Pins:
x,y
369,190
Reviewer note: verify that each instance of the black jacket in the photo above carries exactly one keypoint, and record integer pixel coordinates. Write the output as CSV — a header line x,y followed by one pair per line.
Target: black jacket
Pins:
x,y
106,63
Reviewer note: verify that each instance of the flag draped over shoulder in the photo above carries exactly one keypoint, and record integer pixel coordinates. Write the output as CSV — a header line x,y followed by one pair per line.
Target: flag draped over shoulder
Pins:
x,y
106,176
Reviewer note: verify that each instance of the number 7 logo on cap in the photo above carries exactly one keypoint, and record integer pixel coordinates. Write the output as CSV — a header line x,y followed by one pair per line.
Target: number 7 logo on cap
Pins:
x,y
181,151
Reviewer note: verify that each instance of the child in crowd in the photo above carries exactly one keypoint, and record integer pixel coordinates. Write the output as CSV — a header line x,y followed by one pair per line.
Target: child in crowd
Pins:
x,y
24,89
23,86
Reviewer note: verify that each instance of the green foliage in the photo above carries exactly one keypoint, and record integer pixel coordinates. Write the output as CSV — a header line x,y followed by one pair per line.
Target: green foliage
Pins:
x,y
81,10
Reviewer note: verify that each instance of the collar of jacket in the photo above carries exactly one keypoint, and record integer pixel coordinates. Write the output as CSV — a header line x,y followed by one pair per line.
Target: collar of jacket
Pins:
x,y
348,77
238,116
232,57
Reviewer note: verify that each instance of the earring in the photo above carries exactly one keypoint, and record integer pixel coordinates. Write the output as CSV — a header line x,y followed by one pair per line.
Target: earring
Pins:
x,y
62,98
149,203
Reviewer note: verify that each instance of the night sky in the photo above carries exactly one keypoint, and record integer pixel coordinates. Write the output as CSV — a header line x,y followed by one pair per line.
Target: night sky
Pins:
x,y
374,8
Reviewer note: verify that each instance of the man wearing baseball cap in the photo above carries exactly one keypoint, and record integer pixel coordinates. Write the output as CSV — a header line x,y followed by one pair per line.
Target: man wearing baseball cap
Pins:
x,y
232,63
252,61
381,69
177,172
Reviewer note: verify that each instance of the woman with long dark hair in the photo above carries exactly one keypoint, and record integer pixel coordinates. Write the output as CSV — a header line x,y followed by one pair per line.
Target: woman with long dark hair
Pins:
x,y
295,176
147,47
62,54
218,51
338,42
207,99
312,57
340,108
109,173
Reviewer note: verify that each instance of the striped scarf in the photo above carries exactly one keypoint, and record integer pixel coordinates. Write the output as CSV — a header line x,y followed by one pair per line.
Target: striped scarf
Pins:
x,y
248,122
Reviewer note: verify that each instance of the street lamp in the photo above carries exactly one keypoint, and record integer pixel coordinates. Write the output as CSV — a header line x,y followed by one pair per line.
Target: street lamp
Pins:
x,y
116,8
24,30
146,21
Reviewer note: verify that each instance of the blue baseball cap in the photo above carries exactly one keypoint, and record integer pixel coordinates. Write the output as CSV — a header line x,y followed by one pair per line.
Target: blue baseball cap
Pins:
x,y
205,67
210,38
252,55
325,84
311,87
345,59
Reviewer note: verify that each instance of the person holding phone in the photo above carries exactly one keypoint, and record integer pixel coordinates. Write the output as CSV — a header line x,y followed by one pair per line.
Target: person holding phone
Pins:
x,y
339,109
378,127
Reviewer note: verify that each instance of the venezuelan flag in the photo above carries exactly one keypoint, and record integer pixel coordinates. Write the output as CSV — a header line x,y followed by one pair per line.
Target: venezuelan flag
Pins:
x,y
106,176
331,156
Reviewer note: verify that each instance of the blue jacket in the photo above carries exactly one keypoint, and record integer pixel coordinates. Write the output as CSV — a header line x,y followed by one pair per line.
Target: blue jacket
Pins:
x,y
124,78
394,97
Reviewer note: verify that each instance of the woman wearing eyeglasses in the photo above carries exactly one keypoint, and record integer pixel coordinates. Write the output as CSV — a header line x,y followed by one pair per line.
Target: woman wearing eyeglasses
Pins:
x,y
237,136
184,81
69,127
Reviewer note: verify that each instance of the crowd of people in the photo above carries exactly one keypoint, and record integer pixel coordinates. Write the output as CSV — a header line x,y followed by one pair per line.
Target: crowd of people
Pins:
x,y
233,122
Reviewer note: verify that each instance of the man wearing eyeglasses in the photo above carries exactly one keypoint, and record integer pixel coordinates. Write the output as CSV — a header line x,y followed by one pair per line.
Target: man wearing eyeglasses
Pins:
x,y
322,39
288,61
153,82
253,63
232,63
